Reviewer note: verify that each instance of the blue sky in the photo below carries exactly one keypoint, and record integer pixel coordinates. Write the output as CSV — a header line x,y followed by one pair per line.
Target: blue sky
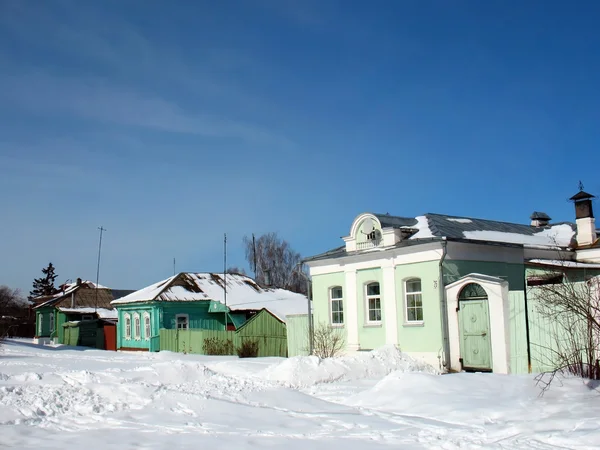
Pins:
x,y
172,123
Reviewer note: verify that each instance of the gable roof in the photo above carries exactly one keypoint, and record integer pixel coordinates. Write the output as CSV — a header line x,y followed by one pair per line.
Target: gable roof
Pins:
x,y
432,227
242,293
84,295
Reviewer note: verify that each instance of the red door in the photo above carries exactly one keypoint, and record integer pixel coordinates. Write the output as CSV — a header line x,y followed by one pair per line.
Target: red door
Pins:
x,y
110,337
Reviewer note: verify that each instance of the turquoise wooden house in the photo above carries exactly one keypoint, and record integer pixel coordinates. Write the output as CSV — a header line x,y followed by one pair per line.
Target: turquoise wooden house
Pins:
x,y
197,301
460,293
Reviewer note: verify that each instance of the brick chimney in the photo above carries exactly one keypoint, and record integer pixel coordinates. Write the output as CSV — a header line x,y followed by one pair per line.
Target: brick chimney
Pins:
x,y
584,215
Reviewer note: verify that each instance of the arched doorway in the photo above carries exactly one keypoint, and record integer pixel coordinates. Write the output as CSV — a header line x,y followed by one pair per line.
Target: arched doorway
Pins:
x,y
474,328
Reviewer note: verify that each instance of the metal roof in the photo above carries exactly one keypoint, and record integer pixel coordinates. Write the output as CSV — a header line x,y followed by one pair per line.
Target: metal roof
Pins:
x,y
449,227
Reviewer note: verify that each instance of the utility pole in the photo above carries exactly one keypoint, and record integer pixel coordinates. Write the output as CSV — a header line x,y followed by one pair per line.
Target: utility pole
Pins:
x,y
225,275
102,229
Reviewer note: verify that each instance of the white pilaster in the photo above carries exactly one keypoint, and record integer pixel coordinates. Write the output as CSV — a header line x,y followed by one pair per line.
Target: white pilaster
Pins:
x,y
390,308
351,311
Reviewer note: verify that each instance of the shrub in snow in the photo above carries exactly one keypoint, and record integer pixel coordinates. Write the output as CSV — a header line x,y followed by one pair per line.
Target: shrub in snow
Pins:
x,y
214,346
248,349
328,341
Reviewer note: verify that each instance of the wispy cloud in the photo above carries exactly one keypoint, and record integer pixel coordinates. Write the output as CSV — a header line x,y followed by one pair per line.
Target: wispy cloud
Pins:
x,y
151,85
95,99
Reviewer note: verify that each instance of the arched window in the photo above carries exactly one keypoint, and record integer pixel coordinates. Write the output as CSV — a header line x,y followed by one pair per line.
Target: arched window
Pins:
x,y
336,299
137,327
127,325
373,298
147,328
413,300
472,291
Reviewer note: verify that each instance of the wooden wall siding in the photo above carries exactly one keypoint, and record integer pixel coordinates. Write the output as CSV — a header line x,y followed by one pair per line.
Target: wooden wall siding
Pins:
x,y
61,319
547,337
45,312
265,328
297,335
199,317
84,334
134,343
518,337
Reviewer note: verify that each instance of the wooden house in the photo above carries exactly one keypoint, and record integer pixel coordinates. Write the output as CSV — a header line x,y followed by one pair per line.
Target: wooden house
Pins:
x,y
76,302
200,301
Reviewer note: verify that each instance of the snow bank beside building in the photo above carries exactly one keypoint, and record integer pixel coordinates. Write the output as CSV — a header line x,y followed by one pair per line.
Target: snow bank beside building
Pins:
x,y
304,371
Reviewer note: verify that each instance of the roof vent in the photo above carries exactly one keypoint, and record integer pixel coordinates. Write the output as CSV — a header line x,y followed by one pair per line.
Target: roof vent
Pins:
x,y
539,219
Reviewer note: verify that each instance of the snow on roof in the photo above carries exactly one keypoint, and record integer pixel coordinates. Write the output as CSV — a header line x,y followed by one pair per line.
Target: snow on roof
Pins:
x,y
67,289
103,313
242,293
423,227
557,235
565,264
459,220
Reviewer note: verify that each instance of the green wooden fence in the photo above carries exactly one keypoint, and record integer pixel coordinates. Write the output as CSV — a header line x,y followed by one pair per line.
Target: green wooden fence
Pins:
x,y
264,328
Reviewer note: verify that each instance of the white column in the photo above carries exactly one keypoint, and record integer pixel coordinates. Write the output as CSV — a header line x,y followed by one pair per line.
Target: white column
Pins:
x,y
351,312
390,308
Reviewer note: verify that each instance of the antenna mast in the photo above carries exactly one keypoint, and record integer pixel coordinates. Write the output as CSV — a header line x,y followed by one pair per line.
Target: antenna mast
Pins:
x,y
225,275
102,229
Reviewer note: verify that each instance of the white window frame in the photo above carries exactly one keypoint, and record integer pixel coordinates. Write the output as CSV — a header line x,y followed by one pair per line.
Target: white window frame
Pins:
x,y
127,326
40,324
137,327
187,321
147,326
339,300
368,299
408,296
51,323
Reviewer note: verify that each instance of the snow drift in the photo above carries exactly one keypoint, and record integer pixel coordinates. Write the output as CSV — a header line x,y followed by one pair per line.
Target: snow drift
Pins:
x,y
305,371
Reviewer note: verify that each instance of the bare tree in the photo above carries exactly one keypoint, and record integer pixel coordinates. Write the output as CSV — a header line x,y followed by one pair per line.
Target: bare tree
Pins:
x,y
12,306
328,342
570,302
236,270
275,263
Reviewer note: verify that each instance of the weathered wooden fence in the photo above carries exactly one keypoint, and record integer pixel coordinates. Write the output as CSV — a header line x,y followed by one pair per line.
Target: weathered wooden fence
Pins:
x,y
297,335
193,341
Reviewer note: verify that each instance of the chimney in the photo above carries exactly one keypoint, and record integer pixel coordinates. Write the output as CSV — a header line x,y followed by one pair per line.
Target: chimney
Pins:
x,y
584,215
539,219
78,281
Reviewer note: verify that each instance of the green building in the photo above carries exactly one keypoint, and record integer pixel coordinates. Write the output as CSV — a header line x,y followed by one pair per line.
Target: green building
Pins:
x,y
202,302
456,292
79,301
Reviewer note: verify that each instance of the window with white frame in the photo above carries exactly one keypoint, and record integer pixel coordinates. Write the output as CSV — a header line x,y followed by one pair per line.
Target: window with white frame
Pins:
x,y
182,321
147,329
51,322
127,325
337,305
137,327
40,323
413,300
373,303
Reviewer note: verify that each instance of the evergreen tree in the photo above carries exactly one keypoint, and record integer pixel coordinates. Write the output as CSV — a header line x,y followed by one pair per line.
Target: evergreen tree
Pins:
x,y
45,285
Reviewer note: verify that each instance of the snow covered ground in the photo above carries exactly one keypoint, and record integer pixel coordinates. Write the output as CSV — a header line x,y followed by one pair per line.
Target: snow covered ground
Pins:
x,y
65,397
